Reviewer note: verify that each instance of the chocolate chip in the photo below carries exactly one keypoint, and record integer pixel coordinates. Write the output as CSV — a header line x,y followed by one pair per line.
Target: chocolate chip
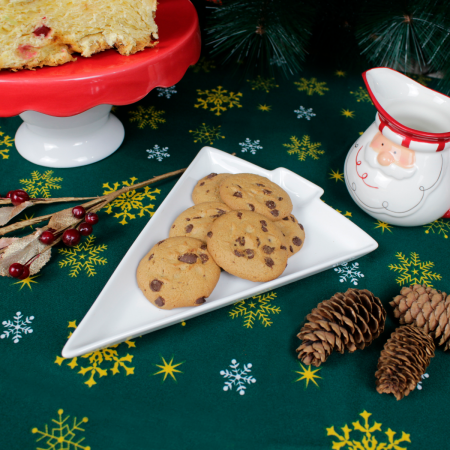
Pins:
x,y
211,175
189,228
301,226
160,301
239,214
198,217
238,186
173,226
250,253
282,247
150,257
270,204
221,212
268,250
263,225
237,194
200,300
202,183
285,218
280,198
267,192
204,247
209,234
239,254
188,219
258,241
291,249
160,242
275,212
156,285
204,258
189,258
259,184
269,262
292,218
297,241
252,207
241,240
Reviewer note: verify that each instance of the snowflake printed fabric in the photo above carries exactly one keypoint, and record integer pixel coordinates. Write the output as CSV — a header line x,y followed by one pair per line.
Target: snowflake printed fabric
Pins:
x,y
17,327
250,146
349,273
303,113
419,384
158,153
166,92
237,377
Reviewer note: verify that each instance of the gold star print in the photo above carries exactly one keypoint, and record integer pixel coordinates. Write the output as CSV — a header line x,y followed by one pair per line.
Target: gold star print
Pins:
x,y
307,375
340,73
27,281
348,214
339,211
168,369
264,107
336,176
348,113
383,226
27,218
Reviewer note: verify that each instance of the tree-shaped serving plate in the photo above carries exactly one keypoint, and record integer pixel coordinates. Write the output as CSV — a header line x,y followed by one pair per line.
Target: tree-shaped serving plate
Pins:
x,y
66,109
122,312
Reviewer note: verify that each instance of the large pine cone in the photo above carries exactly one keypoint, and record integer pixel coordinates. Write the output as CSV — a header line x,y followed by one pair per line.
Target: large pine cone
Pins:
x,y
403,361
346,321
426,308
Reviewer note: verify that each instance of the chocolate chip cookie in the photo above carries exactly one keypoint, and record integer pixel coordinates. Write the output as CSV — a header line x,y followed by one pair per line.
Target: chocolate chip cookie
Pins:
x,y
197,220
246,191
248,245
293,232
177,272
207,189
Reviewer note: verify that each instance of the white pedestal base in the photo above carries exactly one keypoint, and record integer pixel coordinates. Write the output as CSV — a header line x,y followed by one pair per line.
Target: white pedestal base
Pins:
x,y
69,141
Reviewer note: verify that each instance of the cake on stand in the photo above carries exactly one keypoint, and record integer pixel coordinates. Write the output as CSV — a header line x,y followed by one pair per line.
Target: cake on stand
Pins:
x,y
66,109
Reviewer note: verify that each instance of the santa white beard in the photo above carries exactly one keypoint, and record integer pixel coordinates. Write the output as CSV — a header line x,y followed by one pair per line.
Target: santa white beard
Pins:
x,y
392,190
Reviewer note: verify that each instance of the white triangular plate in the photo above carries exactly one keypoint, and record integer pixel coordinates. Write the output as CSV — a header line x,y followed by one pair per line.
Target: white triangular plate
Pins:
x,y
122,312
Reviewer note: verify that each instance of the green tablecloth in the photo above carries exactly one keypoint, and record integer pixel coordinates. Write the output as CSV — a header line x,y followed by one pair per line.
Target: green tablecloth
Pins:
x,y
167,389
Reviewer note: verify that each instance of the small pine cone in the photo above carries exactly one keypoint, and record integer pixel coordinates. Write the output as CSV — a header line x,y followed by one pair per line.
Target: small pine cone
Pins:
x,y
403,361
426,308
346,321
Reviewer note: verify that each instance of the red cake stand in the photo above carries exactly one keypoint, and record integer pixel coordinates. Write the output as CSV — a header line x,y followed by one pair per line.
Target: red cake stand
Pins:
x,y
66,109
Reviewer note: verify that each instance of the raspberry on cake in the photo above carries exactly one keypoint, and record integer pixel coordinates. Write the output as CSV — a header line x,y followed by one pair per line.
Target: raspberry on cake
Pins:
x,y
34,33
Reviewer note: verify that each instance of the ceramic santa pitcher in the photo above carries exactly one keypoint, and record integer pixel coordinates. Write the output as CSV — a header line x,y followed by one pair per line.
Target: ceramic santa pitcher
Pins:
x,y
397,171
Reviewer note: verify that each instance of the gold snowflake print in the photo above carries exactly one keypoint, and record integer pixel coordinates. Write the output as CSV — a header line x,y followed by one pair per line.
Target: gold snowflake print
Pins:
x,y
5,140
168,369
304,148
257,308
263,84
147,116
370,437
27,282
340,73
206,134
362,95
264,107
97,363
336,175
130,201
308,375
62,434
83,257
204,64
439,226
312,86
383,226
414,271
218,100
40,184
348,113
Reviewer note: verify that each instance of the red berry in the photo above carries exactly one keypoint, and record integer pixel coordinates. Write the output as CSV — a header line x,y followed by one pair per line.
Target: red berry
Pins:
x,y
47,237
91,218
19,196
16,270
85,229
8,195
43,30
78,212
25,273
71,237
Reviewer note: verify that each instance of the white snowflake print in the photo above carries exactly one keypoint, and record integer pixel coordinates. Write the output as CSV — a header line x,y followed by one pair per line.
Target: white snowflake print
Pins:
x,y
303,113
17,327
237,377
349,273
419,384
167,92
249,146
158,153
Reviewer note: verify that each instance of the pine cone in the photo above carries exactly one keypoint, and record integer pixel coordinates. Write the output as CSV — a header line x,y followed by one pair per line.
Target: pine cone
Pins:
x,y
426,308
403,361
346,321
